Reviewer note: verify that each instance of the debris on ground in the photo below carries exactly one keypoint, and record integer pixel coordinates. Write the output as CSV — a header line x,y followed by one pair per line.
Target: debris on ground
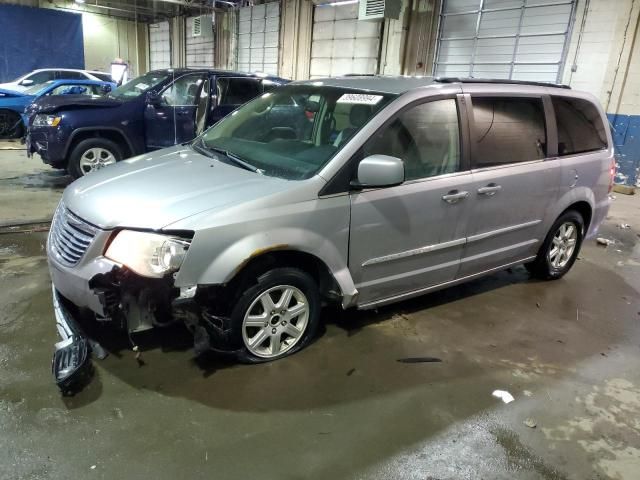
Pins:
x,y
604,241
530,422
419,360
624,226
527,393
503,395
350,372
538,304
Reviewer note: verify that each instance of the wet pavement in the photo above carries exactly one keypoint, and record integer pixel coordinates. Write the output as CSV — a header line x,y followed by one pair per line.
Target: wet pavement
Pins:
x,y
567,351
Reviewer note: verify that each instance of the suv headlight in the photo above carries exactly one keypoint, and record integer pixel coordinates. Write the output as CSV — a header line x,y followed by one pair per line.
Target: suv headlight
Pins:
x,y
46,120
148,254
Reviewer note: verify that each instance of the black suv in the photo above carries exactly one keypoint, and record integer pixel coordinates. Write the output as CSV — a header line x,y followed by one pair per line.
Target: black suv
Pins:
x,y
157,110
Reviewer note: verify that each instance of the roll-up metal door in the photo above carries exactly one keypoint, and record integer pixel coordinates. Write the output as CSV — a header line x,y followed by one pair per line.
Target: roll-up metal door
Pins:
x,y
199,41
258,38
159,46
341,43
515,39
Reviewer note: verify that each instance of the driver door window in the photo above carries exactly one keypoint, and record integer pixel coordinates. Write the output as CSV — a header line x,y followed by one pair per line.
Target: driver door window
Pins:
x,y
184,91
426,137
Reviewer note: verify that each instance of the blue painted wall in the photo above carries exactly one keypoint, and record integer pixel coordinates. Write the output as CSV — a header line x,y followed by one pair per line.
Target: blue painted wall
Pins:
x,y
626,140
32,38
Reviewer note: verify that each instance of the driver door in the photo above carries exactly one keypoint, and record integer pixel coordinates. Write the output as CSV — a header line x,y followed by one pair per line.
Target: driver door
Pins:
x,y
181,113
410,237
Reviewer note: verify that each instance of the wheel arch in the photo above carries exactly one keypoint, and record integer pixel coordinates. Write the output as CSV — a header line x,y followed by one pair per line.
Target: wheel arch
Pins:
x,y
110,133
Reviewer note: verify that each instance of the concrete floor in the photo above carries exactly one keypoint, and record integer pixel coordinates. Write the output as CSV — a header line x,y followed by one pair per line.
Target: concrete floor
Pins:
x,y
568,351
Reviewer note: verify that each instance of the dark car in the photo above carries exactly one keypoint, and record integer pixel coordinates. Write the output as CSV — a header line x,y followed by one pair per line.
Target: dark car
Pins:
x,y
159,109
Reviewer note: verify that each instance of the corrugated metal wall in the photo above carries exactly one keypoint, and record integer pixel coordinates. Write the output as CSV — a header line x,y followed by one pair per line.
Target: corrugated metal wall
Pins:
x,y
258,38
159,46
200,49
518,39
343,44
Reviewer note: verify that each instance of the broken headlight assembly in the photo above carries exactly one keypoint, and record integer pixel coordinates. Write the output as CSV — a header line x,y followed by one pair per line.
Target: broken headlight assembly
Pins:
x,y
148,254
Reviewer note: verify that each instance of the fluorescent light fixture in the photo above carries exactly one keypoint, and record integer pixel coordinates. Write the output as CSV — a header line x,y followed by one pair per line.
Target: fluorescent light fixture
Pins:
x,y
338,3
79,1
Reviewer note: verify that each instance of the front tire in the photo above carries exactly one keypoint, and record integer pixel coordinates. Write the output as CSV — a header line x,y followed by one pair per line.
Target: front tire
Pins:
x,y
277,316
560,249
93,154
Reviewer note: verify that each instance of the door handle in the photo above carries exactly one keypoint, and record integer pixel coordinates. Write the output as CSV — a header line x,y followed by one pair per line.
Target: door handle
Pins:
x,y
455,196
490,189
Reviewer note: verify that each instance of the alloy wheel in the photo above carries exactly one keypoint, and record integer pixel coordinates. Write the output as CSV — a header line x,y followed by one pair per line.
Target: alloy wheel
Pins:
x,y
563,245
95,159
275,321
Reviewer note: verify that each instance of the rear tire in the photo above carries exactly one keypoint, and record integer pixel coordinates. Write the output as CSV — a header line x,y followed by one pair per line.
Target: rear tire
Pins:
x,y
93,154
560,249
288,324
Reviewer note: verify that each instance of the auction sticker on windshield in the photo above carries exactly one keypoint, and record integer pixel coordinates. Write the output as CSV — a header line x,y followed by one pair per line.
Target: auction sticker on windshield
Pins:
x,y
360,98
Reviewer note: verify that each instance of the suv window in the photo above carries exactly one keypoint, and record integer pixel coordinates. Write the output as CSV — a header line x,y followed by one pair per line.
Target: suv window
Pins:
x,y
67,75
236,91
580,126
508,130
105,77
426,137
184,91
41,77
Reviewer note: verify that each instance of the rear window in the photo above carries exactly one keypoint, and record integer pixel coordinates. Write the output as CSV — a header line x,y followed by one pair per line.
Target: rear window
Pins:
x,y
580,126
508,130
102,76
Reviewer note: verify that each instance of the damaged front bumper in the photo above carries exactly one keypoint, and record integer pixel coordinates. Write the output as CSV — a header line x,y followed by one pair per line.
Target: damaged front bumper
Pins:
x,y
71,364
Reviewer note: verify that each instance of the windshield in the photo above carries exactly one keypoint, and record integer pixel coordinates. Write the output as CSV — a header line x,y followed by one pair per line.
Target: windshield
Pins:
x,y
139,85
293,131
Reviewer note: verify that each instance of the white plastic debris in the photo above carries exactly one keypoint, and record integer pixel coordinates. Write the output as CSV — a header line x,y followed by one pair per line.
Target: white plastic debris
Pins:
x,y
527,393
93,467
604,241
624,226
530,422
503,395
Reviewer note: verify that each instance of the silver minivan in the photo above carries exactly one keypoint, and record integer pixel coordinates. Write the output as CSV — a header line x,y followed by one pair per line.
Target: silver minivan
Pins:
x,y
358,191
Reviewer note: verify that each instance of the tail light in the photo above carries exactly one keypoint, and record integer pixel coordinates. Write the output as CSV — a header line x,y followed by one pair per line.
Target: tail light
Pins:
x,y
612,174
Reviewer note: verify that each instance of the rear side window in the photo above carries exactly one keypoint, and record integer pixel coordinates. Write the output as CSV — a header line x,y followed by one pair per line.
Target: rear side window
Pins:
x,y
102,76
236,91
67,75
508,130
580,126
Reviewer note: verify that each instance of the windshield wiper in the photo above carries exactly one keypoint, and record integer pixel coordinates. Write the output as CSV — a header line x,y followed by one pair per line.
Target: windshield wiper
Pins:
x,y
199,143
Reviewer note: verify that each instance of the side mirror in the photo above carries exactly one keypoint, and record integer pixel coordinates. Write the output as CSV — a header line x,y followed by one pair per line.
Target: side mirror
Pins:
x,y
154,98
26,82
104,89
379,171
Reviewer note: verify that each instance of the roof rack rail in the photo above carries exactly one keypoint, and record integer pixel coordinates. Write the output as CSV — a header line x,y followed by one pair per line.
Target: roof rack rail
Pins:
x,y
497,80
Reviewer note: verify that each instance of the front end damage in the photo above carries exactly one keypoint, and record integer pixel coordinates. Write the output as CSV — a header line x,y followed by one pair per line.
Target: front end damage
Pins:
x,y
132,304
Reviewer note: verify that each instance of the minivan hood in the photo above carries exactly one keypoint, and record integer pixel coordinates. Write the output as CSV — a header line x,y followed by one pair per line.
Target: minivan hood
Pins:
x,y
154,190
54,103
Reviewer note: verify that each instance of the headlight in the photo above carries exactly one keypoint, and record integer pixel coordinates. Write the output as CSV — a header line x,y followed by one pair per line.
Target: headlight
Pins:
x,y
46,121
148,254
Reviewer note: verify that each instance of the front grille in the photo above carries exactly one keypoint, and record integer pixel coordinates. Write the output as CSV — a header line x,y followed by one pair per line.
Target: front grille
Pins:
x,y
69,237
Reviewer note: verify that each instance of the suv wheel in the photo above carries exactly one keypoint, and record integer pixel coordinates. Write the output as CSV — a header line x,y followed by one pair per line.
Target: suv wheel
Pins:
x,y
560,249
93,154
277,316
